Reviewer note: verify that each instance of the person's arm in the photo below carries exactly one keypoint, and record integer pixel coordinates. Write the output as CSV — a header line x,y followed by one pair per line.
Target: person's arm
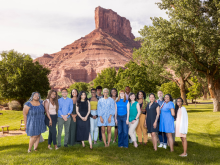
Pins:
x,y
172,109
77,111
25,112
128,111
88,109
46,107
71,107
139,110
158,113
60,108
116,113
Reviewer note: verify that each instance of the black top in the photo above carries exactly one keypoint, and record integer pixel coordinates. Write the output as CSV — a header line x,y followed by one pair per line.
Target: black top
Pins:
x,y
151,116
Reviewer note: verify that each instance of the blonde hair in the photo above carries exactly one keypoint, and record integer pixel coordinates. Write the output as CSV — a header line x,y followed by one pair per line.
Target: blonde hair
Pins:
x,y
118,99
105,90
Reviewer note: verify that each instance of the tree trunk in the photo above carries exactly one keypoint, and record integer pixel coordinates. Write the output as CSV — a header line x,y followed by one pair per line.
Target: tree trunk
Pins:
x,y
21,101
183,90
212,91
205,95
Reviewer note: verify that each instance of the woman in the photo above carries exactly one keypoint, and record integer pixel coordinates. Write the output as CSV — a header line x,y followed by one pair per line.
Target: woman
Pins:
x,y
122,119
181,124
141,130
114,96
167,119
51,106
83,119
34,119
72,130
134,113
94,116
106,111
152,116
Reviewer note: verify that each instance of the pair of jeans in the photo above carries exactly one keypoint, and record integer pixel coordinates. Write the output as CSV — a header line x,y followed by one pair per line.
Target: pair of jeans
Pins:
x,y
162,137
122,131
66,124
52,129
93,125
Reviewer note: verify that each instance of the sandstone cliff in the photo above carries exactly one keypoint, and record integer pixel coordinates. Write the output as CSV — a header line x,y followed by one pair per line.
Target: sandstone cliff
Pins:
x,y
109,45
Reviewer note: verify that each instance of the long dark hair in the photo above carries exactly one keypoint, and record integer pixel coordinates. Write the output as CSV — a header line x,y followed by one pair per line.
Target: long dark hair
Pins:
x,y
72,94
177,107
79,98
171,99
129,97
144,95
112,90
55,99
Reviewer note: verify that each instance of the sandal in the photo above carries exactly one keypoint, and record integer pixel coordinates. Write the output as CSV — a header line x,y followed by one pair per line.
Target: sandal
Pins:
x,y
35,149
29,151
50,148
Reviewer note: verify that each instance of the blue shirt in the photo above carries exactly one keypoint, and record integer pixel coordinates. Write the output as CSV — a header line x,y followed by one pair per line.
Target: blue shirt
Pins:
x,y
122,107
160,102
65,106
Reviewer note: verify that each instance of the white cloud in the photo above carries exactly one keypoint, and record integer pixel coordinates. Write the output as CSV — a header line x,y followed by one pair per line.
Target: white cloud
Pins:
x,y
38,27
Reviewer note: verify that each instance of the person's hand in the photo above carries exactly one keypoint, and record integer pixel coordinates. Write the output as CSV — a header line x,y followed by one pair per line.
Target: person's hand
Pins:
x,y
116,121
50,122
65,117
145,124
133,121
127,122
86,118
94,117
109,119
155,125
25,127
101,119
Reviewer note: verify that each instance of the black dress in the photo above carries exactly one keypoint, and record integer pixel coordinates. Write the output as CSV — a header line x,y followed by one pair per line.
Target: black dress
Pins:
x,y
82,127
151,116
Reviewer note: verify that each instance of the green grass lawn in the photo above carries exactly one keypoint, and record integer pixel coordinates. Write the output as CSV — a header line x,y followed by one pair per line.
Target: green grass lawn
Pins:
x,y
203,145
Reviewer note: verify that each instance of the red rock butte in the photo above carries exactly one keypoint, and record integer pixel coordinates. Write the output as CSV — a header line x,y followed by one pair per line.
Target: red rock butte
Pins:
x,y
109,45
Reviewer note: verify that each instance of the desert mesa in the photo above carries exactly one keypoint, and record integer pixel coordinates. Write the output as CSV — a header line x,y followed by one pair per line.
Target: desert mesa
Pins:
x,y
111,44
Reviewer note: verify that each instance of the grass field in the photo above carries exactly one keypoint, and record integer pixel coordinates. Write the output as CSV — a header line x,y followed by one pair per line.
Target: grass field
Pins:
x,y
203,145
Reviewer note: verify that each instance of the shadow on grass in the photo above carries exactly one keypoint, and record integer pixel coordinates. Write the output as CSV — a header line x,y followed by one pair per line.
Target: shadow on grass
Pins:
x,y
197,154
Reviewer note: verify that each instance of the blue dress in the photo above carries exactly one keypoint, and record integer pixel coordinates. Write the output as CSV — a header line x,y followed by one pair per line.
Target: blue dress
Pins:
x,y
166,119
35,120
106,107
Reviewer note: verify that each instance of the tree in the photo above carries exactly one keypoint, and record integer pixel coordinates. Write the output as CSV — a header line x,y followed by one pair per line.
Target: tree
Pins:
x,y
137,77
171,88
19,77
194,90
107,78
80,86
191,35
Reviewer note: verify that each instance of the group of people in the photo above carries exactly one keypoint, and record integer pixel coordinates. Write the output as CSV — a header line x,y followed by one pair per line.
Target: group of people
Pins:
x,y
86,119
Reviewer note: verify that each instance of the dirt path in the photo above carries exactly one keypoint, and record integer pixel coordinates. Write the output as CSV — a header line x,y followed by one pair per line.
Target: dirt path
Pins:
x,y
12,133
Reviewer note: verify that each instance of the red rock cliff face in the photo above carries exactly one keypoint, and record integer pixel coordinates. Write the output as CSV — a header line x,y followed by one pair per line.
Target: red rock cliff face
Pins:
x,y
109,45
111,22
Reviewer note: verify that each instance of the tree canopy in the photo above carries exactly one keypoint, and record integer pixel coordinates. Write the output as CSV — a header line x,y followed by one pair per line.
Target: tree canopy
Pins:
x,y
191,37
19,77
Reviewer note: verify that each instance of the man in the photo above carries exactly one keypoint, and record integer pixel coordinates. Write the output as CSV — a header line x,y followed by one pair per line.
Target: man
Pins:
x,y
127,92
99,96
64,111
162,136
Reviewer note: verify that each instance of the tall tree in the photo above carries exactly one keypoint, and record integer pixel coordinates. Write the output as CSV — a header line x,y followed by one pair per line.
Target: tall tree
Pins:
x,y
138,77
107,78
191,35
19,77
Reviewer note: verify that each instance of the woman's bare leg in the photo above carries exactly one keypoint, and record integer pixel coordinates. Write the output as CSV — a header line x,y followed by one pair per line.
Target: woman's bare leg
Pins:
x,y
154,140
36,142
90,140
32,141
170,139
184,143
109,134
83,144
103,135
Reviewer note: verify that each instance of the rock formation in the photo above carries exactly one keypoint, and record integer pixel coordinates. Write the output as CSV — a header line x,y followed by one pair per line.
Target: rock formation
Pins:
x,y
109,45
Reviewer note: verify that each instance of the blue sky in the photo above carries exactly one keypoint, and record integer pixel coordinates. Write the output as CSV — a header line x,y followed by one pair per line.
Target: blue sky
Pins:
x,y
45,26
